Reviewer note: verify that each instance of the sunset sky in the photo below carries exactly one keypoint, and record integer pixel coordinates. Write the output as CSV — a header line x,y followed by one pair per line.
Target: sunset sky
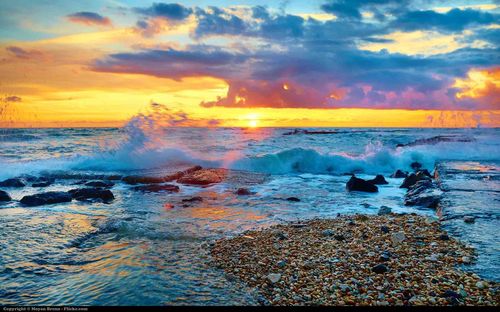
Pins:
x,y
238,63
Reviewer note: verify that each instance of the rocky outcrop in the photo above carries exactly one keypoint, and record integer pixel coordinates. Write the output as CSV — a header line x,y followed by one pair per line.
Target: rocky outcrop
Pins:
x,y
41,182
4,197
14,182
180,174
92,194
204,177
399,174
356,184
423,193
414,178
379,180
142,180
46,199
155,188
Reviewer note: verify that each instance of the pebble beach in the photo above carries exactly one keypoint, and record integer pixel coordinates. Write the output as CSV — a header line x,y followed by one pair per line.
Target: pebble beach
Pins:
x,y
394,259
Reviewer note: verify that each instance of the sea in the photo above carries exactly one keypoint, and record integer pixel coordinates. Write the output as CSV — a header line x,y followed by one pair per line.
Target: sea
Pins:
x,y
153,248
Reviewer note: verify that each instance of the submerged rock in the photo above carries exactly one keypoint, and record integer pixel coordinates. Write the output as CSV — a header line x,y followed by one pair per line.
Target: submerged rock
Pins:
x,y
92,193
399,174
4,196
293,199
14,182
379,179
469,219
46,198
204,177
243,191
154,188
99,184
193,199
41,184
384,210
356,184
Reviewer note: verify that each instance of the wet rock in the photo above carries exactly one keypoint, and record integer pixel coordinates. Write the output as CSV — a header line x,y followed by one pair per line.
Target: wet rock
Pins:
x,y
380,268
142,180
384,257
409,181
41,181
356,184
451,294
397,238
425,172
204,177
379,179
481,285
399,174
339,237
327,233
384,210
281,235
156,188
14,182
45,199
4,197
469,219
92,193
293,199
243,191
281,264
384,229
423,193
99,184
180,174
41,184
444,237
274,277
415,165
193,199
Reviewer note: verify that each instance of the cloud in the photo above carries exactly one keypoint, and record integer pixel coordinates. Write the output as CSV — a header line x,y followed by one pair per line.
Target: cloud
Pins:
x,y
11,99
89,19
173,11
351,9
24,54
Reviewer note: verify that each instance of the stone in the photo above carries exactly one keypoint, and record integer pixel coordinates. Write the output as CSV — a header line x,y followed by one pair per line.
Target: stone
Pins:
x,y
380,268
397,238
451,294
469,219
339,237
409,181
281,264
415,165
466,260
193,199
99,184
399,174
379,179
92,193
444,237
274,277
41,184
293,199
356,184
45,199
480,285
384,229
432,258
384,210
14,182
243,191
155,188
142,180
384,257
4,197
204,177
327,233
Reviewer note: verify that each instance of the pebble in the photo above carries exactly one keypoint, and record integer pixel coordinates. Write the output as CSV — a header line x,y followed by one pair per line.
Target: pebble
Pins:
x,y
397,238
274,277
384,229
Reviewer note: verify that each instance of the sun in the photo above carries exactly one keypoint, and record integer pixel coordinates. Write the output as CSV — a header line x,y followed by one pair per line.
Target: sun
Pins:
x,y
252,120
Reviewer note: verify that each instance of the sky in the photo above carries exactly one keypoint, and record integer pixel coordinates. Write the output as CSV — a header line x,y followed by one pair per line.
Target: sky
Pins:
x,y
319,63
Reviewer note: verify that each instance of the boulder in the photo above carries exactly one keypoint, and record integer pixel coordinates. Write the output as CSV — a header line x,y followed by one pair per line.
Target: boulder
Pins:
x,y
41,182
14,182
416,165
99,184
155,188
274,277
92,193
399,174
180,174
243,191
423,193
379,179
45,199
142,180
4,197
356,184
414,178
204,177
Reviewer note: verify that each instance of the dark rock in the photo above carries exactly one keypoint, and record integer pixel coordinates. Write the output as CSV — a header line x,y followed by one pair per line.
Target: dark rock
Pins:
x,y
243,191
399,174
92,193
4,196
193,199
293,199
380,268
281,235
384,210
46,199
444,237
351,223
415,165
469,219
339,237
384,257
204,177
409,181
99,184
451,294
142,180
41,184
356,184
425,172
15,182
379,179
384,229
155,188
327,233
281,264
423,193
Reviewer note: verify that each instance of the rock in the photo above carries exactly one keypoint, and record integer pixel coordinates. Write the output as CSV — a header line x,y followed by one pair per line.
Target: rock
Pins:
x,y
274,277
180,174
384,257
193,199
451,294
92,193
99,184
399,174
409,181
397,238
425,172
41,181
423,193
466,260
415,165
281,235
384,229
204,177
155,188
243,191
4,196
356,184
142,180
45,199
480,285
41,184
15,182
293,199
432,258
380,268
327,233
469,219
339,237
384,210
281,264
444,237
379,179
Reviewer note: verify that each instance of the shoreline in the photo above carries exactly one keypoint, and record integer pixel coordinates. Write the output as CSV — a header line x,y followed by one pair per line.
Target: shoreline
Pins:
x,y
394,259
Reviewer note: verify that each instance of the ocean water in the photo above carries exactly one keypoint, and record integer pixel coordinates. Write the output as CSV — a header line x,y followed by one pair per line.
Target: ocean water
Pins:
x,y
138,250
